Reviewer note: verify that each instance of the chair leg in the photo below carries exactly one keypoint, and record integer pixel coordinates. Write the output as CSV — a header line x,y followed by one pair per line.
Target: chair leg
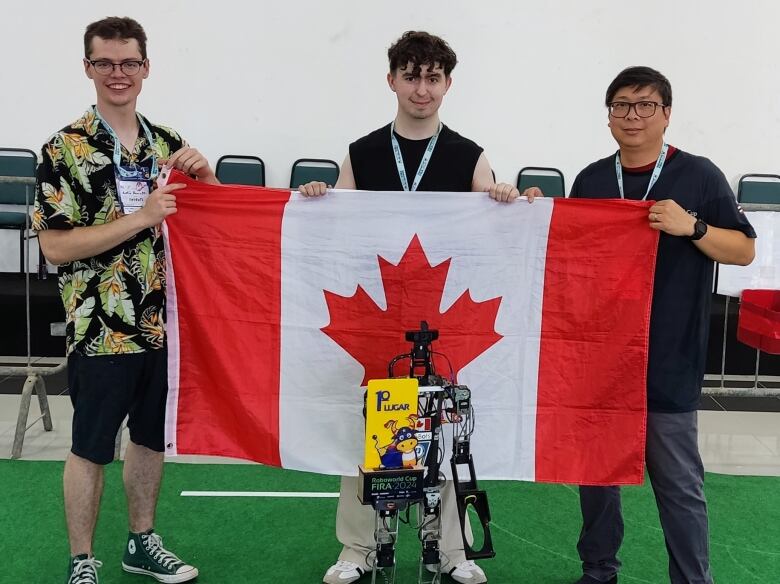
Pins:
x,y
758,357
21,420
723,354
43,402
21,251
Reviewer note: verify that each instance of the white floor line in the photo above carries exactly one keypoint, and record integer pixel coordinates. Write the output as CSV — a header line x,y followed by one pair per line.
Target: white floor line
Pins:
x,y
281,494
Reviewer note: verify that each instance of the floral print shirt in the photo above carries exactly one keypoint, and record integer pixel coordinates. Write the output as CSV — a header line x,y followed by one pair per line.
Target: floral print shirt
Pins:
x,y
114,301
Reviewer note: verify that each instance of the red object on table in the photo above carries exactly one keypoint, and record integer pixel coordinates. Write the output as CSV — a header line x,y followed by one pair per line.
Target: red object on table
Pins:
x,y
759,320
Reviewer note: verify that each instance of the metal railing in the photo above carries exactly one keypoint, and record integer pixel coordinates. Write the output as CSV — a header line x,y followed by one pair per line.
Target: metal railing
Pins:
x,y
761,383
34,374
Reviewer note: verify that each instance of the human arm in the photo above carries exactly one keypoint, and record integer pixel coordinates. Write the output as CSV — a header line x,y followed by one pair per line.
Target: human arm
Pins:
x,y
725,246
483,181
61,246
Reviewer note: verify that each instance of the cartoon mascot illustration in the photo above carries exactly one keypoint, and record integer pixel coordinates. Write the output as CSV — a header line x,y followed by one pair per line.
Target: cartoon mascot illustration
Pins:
x,y
400,452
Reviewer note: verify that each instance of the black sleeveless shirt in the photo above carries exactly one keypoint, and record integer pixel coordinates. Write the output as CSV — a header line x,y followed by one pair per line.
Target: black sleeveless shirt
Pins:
x,y
451,167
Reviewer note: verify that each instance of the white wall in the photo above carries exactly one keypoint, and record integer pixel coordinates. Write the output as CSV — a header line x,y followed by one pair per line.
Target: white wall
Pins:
x,y
289,79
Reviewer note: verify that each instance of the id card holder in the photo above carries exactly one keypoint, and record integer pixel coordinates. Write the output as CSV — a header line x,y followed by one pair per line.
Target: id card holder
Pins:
x,y
132,185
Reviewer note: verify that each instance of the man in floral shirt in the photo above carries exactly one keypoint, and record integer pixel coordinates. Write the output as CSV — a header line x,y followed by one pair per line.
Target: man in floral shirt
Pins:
x,y
98,216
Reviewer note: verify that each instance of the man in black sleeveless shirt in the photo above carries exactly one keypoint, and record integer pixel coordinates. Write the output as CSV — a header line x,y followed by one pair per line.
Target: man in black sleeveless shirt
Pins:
x,y
415,152
699,222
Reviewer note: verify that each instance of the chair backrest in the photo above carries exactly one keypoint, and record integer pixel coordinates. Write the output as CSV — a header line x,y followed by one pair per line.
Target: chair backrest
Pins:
x,y
305,170
234,169
550,180
17,162
759,188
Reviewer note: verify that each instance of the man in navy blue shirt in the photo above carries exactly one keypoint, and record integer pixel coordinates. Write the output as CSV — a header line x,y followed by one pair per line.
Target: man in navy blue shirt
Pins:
x,y
700,223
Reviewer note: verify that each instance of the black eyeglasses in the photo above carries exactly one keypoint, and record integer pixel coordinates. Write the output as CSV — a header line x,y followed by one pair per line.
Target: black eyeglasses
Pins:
x,y
644,109
105,67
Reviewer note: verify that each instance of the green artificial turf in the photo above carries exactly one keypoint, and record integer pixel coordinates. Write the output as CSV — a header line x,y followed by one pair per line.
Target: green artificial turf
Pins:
x,y
270,540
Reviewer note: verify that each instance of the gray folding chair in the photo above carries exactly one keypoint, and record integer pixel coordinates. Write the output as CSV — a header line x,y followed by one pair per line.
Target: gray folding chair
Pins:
x,y
305,170
759,188
234,169
16,196
549,180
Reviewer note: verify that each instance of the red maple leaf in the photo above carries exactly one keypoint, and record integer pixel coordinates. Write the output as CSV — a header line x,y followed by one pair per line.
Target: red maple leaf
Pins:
x,y
413,290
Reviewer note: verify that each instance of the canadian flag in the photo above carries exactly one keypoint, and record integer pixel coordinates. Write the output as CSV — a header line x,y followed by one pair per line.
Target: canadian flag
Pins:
x,y
281,307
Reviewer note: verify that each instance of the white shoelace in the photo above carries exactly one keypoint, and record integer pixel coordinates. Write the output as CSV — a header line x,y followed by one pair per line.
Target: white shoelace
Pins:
x,y
154,547
467,566
85,571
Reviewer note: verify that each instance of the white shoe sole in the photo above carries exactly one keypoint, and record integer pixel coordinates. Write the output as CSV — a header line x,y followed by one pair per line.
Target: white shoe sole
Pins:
x,y
474,578
334,578
172,579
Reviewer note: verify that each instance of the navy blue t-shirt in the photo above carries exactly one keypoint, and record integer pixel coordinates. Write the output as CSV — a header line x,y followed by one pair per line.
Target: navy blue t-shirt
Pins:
x,y
682,292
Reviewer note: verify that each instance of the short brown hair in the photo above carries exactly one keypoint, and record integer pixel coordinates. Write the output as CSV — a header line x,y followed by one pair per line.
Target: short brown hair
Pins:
x,y
115,28
420,48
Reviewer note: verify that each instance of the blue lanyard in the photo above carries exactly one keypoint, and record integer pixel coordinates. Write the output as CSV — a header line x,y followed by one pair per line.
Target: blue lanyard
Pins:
x,y
399,161
659,165
118,145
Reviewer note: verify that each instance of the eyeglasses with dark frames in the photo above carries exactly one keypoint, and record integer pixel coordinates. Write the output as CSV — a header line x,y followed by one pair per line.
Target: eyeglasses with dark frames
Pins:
x,y
644,109
106,67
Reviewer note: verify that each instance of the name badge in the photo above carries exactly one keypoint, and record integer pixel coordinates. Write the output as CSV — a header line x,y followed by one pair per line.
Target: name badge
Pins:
x,y
132,184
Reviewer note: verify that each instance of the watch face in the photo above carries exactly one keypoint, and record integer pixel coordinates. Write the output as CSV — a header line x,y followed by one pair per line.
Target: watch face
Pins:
x,y
699,229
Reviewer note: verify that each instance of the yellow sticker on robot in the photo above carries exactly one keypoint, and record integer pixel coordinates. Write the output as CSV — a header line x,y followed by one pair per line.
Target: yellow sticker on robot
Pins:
x,y
391,423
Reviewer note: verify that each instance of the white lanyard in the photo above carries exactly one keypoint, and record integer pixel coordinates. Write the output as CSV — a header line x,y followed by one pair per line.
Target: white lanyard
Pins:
x,y
118,145
399,161
659,165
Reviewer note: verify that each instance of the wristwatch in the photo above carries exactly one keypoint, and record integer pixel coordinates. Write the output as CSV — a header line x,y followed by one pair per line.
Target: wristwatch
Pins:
x,y
699,230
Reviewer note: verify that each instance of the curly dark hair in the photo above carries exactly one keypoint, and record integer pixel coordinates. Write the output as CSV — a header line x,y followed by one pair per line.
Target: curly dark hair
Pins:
x,y
421,48
640,77
115,28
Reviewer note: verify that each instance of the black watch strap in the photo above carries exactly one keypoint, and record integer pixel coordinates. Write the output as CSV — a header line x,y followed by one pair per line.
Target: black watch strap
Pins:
x,y
699,230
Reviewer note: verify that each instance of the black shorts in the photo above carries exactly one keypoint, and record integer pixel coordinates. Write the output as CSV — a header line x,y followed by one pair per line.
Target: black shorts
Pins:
x,y
106,388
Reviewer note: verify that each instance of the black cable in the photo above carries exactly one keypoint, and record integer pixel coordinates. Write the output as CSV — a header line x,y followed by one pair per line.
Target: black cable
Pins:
x,y
425,524
368,555
396,359
449,364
